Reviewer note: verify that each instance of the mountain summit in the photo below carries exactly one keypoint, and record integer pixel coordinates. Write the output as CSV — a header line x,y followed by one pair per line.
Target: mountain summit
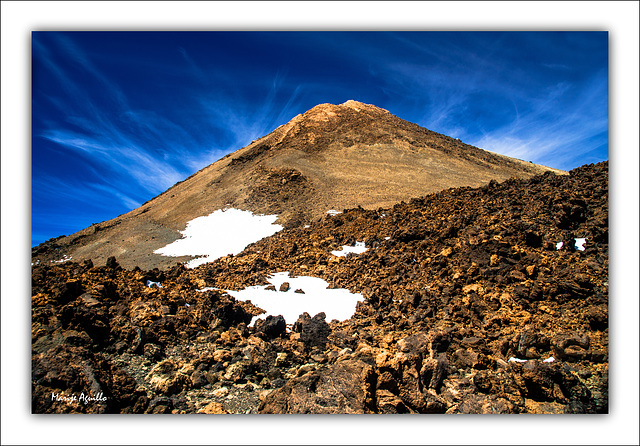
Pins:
x,y
332,157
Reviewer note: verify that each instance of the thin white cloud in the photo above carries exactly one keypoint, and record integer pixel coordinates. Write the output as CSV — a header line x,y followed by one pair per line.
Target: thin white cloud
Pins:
x,y
149,172
144,146
84,63
72,190
555,131
555,126
245,120
140,145
126,200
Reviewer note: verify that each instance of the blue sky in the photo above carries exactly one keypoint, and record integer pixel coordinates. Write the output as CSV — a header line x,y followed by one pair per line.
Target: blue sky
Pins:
x,y
119,117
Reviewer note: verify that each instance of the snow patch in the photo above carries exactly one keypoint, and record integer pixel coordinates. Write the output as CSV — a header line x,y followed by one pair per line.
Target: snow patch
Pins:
x,y
151,283
209,236
333,212
359,248
337,303
559,245
514,359
579,245
65,258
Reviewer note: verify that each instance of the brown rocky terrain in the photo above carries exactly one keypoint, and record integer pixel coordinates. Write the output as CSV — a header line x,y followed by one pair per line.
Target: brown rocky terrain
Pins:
x,y
331,157
455,285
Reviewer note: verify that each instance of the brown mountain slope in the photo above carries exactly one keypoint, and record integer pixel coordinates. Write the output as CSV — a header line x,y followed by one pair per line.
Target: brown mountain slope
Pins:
x,y
331,157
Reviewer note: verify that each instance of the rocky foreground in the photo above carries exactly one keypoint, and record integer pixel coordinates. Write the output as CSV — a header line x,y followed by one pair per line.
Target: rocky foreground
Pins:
x,y
476,301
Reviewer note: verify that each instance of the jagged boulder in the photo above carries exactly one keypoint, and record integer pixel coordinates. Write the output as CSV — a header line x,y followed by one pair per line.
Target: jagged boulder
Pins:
x,y
314,331
272,326
346,387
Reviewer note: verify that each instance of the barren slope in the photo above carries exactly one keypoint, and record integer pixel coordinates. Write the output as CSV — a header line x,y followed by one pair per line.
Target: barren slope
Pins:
x,y
331,157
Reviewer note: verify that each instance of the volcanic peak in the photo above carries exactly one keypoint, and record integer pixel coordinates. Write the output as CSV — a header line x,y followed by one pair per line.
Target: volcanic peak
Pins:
x,y
323,113
332,157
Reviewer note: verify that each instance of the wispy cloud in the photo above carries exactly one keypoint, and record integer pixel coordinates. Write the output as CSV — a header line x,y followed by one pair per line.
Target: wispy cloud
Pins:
x,y
129,160
72,193
243,120
137,144
495,107
560,129
129,153
126,200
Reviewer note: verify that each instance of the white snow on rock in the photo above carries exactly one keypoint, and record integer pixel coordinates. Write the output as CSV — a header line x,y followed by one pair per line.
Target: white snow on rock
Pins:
x,y
65,258
220,233
150,283
359,248
333,212
580,243
514,359
336,303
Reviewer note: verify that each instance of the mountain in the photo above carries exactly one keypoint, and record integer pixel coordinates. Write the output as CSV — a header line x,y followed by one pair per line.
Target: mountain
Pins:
x,y
332,157
470,300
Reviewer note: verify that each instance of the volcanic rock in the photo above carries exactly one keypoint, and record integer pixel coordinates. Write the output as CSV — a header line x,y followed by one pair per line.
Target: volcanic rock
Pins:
x,y
465,310
213,408
313,331
272,326
344,388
